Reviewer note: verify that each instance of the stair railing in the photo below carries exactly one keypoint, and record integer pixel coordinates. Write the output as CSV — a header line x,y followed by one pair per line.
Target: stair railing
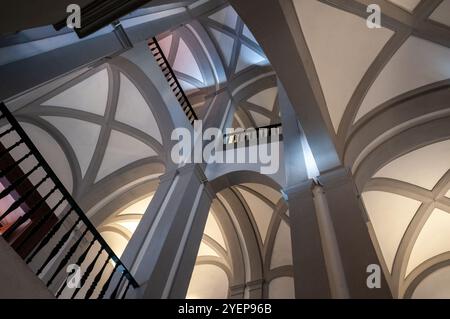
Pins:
x,y
44,217
171,78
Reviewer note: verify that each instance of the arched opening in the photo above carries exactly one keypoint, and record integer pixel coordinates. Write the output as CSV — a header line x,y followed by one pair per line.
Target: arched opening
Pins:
x,y
248,234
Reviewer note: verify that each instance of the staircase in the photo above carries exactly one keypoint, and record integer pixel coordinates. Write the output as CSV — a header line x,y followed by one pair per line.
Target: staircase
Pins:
x,y
45,226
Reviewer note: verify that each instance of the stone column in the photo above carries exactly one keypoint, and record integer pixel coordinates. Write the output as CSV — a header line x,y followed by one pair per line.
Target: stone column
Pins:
x,y
162,252
333,261
330,239
350,226
310,272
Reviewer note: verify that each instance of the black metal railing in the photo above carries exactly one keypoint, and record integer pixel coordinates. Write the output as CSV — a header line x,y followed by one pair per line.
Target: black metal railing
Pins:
x,y
246,137
172,80
45,225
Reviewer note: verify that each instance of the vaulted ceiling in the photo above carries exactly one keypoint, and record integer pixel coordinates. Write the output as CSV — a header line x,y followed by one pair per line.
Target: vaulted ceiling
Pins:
x,y
98,146
382,95
360,69
390,74
250,221
216,52
256,247
408,203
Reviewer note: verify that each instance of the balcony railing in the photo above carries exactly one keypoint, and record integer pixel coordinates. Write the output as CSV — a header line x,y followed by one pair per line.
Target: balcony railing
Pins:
x,y
172,80
44,224
255,136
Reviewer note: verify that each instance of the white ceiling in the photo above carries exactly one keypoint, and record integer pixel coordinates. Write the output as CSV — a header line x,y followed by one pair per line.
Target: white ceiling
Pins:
x,y
213,230
434,239
442,13
89,95
260,200
208,281
417,63
390,215
226,16
206,250
52,152
423,167
74,112
359,68
336,40
186,63
115,241
419,219
408,5
434,286
282,248
165,44
137,208
232,40
268,192
266,98
81,135
118,222
225,43
121,150
262,213
132,109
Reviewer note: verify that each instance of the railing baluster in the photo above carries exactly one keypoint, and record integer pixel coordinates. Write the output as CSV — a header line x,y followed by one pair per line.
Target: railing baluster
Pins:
x,y
116,290
126,291
23,198
260,133
58,246
9,168
28,214
67,257
35,226
40,214
108,281
6,132
97,279
87,273
171,78
48,236
18,182
79,262
9,149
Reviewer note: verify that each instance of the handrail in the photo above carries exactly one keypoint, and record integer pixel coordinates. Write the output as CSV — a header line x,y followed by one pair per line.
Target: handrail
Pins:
x,y
239,137
172,80
73,207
